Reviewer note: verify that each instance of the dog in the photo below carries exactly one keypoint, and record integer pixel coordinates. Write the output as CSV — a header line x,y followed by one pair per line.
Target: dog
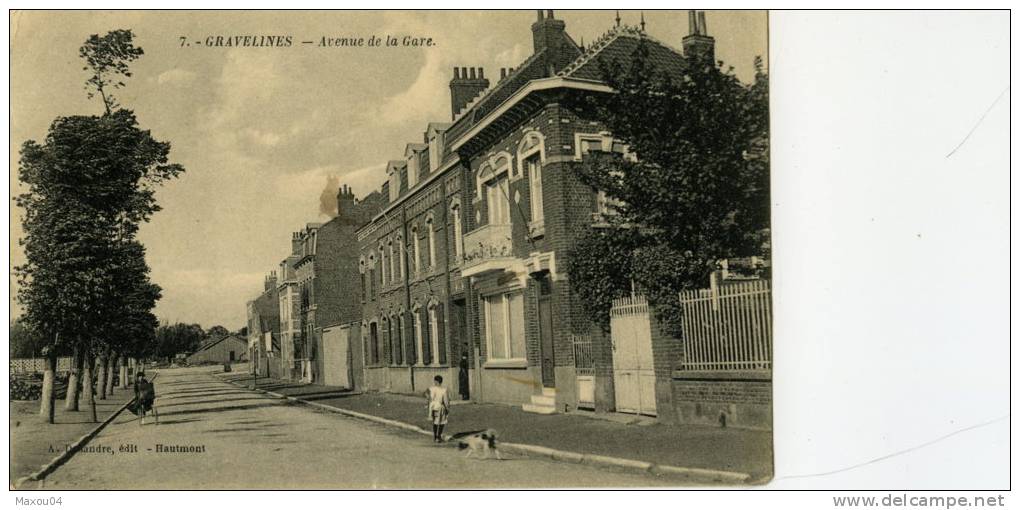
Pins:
x,y
480,441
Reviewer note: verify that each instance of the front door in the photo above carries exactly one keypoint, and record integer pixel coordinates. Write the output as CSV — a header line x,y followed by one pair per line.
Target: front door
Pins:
x,y
545,332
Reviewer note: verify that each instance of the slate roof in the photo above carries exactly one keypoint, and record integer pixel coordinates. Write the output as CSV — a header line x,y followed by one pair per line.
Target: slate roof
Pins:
x,y
619,44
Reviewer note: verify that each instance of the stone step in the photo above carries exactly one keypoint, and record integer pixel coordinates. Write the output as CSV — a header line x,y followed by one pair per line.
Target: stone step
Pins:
x,y
532,408
549,392
543,400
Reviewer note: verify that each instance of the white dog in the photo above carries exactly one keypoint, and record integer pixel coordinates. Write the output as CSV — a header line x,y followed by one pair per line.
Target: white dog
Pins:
x,y
481,442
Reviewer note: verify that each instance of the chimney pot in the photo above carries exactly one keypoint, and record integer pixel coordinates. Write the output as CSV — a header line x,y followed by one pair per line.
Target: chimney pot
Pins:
x,y
481,73
456,73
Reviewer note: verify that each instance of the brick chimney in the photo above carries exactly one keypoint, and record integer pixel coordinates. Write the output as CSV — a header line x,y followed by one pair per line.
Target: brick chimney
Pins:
x,y
296,243
466,84
270,281
698,44
345,202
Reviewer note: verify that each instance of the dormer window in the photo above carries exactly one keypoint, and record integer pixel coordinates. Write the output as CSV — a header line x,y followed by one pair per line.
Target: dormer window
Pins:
x,y
435,151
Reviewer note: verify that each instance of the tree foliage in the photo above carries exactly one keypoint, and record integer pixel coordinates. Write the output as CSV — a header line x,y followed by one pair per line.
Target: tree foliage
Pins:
x,y
178,338
107,59
692,187
90,184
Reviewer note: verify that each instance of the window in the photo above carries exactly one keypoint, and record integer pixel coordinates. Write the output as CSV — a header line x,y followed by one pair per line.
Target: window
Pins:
x,y
401,264
418,335
232,356
458,231
431,231
394,170
397,339
435,151
393,263
382,265
373,342
434,334
498,200
412,170
533,167
416,251
504,327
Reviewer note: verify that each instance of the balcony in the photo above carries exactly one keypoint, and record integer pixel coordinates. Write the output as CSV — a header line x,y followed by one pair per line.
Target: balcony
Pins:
x,y
486,249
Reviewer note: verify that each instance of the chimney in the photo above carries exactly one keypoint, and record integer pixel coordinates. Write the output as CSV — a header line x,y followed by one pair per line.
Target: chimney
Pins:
x,y
547,32
295,243
465,86
345,202
698,44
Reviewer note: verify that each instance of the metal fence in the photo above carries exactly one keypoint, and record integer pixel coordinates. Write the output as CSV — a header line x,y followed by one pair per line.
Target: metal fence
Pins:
x,y
33,365
584,365
728,327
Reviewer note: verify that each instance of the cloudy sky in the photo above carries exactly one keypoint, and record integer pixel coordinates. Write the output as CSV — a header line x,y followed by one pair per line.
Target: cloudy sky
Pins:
x,y
263,131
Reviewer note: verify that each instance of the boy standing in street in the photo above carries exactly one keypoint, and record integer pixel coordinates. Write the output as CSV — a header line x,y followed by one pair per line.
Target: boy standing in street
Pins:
x,y
438,407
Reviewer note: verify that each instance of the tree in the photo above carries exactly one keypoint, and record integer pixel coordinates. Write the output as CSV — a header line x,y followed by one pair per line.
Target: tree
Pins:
x,y
25,341
90,184
107,58
179,338
692,187
217,332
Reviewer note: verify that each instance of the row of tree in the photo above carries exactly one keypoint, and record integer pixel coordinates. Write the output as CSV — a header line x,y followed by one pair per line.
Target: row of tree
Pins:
x,y
85,286
691,189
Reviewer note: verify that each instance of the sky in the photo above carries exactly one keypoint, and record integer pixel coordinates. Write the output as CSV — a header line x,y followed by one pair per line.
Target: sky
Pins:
x,y
263,132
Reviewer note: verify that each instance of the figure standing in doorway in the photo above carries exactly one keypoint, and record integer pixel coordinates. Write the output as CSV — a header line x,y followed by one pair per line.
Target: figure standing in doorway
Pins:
x,y
463,382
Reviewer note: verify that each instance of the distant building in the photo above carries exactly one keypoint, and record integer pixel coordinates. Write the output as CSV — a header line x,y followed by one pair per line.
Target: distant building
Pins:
x,y
264,329
227,349
318,289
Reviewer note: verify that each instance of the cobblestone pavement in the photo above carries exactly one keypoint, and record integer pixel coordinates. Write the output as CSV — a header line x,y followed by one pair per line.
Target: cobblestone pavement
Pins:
x,y
213,435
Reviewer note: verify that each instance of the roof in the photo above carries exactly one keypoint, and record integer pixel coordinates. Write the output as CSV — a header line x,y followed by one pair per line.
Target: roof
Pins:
x,y
619,44
209,344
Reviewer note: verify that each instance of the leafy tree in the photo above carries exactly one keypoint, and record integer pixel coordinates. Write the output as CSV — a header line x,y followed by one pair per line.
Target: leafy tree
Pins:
x,y
107,58
84,285
25,340
217,332
692,187
178,338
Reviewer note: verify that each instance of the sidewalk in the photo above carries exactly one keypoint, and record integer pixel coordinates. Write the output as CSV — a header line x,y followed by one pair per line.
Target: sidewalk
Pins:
x,y
747,451
35,443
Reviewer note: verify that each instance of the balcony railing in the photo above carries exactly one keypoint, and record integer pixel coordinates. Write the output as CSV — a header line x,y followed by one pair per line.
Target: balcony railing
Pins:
x,y
488,248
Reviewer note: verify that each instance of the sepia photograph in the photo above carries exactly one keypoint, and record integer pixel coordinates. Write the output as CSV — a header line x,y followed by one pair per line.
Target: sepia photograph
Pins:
x,y
390,249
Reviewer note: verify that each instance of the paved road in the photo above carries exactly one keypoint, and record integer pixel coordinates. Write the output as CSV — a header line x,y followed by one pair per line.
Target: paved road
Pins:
x,y
248,440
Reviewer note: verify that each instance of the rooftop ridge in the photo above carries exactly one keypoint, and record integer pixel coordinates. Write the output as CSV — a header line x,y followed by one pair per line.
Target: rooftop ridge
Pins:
x,y
502,81
601,43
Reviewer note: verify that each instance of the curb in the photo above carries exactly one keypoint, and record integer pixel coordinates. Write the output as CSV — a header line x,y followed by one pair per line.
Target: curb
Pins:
x,y
71,450
699,474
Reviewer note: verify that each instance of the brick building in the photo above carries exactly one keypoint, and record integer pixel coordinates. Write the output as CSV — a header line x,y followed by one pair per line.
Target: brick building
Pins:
x,y
467,258
317,288
264,329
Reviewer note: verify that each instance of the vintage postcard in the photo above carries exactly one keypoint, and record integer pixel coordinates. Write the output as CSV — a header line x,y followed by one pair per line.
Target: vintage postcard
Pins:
x,y
390,249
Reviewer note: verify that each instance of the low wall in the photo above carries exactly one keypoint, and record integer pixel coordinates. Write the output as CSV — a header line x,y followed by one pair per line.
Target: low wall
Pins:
x,y
513,386
738,399
32,365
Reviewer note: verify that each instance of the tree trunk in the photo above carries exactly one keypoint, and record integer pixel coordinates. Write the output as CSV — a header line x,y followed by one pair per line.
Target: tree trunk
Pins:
x,y
124,373
87,386
73,381
110,372
104,364
48,398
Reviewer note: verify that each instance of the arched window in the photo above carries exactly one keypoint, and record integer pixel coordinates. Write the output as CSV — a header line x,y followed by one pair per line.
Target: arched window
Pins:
x,y
419,333
382,264
415,251
397,339
402,262
393,262
458,230
433,334
430,227
531,157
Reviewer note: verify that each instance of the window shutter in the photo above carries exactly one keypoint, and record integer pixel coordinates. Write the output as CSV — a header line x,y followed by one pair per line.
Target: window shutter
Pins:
x,y
441,328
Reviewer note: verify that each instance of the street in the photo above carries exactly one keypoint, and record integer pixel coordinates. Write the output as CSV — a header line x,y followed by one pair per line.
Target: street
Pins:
x,y
213,435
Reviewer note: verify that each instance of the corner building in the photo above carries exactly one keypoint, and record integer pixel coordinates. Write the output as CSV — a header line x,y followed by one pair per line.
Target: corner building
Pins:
x,y
467,259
